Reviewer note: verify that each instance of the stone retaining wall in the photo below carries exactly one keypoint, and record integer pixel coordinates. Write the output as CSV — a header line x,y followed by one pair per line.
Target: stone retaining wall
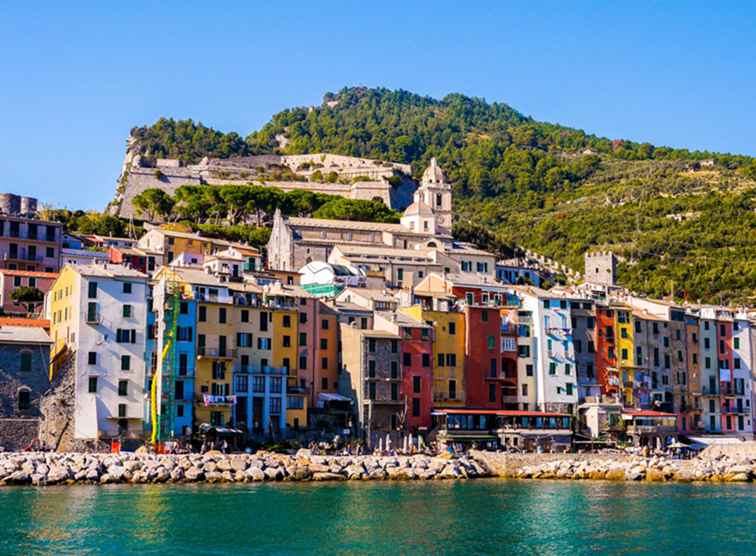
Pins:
x,y
55,468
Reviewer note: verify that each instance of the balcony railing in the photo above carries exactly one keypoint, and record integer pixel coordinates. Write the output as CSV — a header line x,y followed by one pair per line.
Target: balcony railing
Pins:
x,y
209,399
227,353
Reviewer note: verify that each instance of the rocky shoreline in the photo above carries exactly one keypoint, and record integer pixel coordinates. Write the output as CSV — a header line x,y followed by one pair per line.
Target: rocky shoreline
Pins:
x,y
619,467
42,469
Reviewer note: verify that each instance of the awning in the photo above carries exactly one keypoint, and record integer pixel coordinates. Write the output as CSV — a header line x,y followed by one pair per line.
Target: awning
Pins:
x,y
324,397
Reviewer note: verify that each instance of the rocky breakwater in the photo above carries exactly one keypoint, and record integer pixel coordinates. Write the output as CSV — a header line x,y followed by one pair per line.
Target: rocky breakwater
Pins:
x,y
618,467
53,469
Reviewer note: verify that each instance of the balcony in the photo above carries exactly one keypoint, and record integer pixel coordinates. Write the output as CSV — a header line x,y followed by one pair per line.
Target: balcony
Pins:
x,y
211,400
710,390
215,353
22,256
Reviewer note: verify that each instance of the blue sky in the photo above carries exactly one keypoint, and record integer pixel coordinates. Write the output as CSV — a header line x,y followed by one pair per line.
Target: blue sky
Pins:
x,y
75,78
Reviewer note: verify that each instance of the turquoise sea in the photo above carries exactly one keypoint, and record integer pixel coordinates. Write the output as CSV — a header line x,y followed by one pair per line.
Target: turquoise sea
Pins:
x,y
475,517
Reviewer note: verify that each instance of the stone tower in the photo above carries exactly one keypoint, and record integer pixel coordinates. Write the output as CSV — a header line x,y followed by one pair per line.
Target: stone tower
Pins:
x,y
436,193
600,268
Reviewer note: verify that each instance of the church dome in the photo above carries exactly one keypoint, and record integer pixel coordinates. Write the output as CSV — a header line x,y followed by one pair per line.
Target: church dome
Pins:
x,y
433,173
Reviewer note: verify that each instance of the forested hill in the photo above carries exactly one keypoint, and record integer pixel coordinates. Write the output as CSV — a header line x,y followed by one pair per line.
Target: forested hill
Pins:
x,y
681,221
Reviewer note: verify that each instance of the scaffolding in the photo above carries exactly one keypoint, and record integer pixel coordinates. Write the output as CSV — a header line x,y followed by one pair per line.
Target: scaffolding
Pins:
x,y
162,391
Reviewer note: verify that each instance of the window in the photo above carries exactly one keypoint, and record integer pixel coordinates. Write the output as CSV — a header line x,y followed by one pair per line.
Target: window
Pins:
x,y
484,315
286,341
567,369
371,345
222,315
179,389
416,384
216,418
202,317
323,343
552,368
529,370
92,290
125,362
416,407
452,328
451,359
524,389
219,370
623,354
452,389
287,321
92,385
371,368
324,362
184,333
623,332
426,360
394,370
127,311
371,390
523,351
243,339
491,343
394,391
91,312
736,343
92,358
123,387
127,287
492,369
569,388
183,363
407,359
125,336
492,393
324,324
440,358
302,318
275,406
394,346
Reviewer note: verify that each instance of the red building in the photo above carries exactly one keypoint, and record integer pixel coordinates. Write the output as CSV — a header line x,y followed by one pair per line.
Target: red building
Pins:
x,y
726,375
417,365
133,257
483,373
607,372
509,359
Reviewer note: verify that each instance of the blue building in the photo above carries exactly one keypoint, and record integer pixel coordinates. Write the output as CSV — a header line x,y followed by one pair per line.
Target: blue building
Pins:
x,y
261,400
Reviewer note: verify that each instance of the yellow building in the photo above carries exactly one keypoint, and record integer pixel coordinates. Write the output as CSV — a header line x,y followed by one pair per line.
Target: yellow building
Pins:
x,y
448,353
216,353
625,351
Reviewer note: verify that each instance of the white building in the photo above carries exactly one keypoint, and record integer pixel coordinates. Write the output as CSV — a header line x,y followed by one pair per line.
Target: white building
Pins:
x,y
81,256
742,372
553,350
99,313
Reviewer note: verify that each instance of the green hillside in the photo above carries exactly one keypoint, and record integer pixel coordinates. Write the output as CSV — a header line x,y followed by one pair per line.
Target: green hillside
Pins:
x,y
681,221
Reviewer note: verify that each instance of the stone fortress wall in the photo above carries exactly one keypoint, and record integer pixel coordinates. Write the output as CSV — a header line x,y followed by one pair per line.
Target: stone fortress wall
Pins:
x,y
369,179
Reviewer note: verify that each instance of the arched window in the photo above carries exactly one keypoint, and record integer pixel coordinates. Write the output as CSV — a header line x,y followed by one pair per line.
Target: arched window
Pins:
x,y
24,398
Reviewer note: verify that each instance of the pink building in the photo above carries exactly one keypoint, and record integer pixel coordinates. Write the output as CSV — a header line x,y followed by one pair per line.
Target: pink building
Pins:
x,y
12,279
30,244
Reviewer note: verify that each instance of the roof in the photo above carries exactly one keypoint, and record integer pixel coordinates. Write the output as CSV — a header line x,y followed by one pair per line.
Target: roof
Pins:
x,y
194,276
363,251
467,249
371,333
287,290
23,335
83,253
476,280
419,207
20,321
645,413
29,273
108,270
502,412
370,293
402,319
339,306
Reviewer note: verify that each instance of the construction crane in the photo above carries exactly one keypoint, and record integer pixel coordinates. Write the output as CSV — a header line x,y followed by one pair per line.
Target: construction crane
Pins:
x,y
162,391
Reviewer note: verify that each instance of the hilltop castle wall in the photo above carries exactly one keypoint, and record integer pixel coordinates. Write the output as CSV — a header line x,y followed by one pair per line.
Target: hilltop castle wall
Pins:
x,y
139,174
